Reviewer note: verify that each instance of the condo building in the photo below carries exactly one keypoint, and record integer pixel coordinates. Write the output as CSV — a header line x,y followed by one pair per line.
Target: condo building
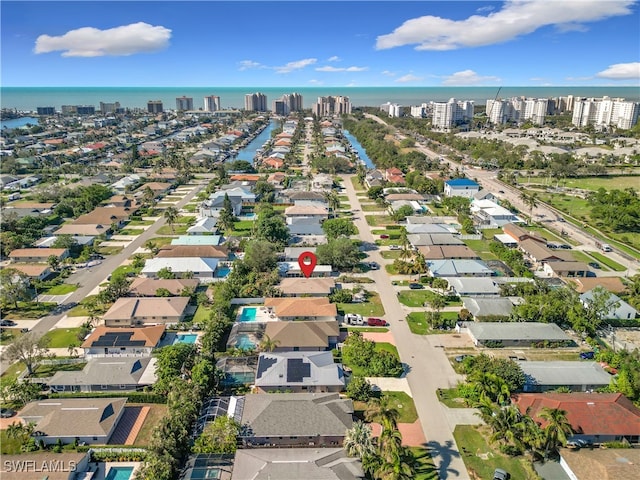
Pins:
x,y
155,106
605,112
288,103
331,106
452,113
184,104
255,102
212,103
111,107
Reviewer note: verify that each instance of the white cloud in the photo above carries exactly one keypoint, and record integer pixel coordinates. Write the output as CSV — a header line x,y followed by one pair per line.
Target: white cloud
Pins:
x,y
119,41
297,65
408,78
621,71
516,18
335,58
313,81
249,64
329,68
468,77
388,73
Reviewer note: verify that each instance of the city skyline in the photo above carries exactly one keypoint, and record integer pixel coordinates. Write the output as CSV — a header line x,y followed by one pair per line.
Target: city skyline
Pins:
x,y
324,43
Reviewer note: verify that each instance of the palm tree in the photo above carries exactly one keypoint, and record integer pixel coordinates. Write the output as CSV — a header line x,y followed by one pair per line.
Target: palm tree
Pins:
x,y
171,215
333,201
405,244
557,430
151,246
436,303
267,344
358,441
382,410
530,200
399,466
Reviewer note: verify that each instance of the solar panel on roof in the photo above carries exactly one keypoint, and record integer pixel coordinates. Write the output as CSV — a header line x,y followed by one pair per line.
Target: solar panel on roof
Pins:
x,y
297,370
264,364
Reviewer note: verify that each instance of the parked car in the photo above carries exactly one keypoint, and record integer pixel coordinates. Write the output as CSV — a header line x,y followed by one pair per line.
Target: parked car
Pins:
x,y
394,247
7,323
383,236
7,413
24,330
353,319
565,246
500,474
376,322
416,286
374,266
594,265
587,355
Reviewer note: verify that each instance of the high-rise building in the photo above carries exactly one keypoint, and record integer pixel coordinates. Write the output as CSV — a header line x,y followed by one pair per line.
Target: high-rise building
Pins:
x,y
535,110
46,110
452,113
184,103
212,103
396,110
605,112
331,106
288,103
255,102
85,109
155,106
109,107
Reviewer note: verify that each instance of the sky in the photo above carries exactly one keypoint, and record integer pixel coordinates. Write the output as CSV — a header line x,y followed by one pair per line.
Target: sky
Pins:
x,y
320,43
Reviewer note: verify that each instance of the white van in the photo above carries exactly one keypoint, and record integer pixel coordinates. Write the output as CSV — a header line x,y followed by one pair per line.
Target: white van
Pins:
x,y
353,319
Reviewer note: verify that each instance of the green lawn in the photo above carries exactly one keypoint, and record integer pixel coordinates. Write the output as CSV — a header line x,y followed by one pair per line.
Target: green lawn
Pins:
x,y
108,250
390,254
404,404
416,298
391,269
481,459
28,310
608,183
131,231
175,229
489,233
417,322
12,372
201,315
161,241
366,329
9,335
372,308
9,446
373,207
379,220
62,337
450,397
124,269
140,223
584,257
481,247
61,289
42,371
603,259
356,183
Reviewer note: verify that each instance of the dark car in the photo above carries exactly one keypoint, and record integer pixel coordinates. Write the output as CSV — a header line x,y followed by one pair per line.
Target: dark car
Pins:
x,y
564,246
7,323
374,266
383,236
594,265
376,322
7,413
587,355
416,286
24,330
500,191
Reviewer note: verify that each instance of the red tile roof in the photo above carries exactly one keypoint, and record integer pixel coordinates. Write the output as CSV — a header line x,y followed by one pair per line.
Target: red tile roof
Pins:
x,y
588,413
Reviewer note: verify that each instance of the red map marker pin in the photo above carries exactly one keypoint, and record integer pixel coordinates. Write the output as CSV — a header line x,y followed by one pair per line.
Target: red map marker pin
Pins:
x,y
307,262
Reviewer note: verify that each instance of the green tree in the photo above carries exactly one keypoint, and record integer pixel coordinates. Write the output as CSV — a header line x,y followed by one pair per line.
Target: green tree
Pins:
x,y
219,436
267,344
166,274
27,349
171,215
358,441
14,286
359,389
557,429
402,213
260,255
333,202
530,200
341,253
172,362
272,228
152,247
337,227
436,304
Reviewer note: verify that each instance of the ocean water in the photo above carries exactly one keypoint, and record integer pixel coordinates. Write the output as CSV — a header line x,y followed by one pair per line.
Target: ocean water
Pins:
x,y
29,98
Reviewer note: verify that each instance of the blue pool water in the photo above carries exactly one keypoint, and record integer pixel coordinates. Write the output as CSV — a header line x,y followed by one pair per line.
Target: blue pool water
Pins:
x,y
244,342
120,473
185,338
248,314
222,272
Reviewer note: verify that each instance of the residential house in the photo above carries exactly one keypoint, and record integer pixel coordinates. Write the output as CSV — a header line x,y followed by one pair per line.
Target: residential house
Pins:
x,y
430,228
442,252
485,195
428,239
50,463
618,309
303,336
599,417
107,375
296,463
307,287
461,187
87,420
567,269
519,234
114,342
194,240
540,253
312,420
514,334
132,311
489,213
543,376
201,268
149,287
204,226
302,308
488,307
35,271
215,203
473,287
204,251
584,284
293,270
459,268
299,372
599,463
37,255
291,254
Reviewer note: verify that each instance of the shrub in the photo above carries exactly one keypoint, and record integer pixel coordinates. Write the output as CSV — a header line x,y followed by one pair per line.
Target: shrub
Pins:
x,y
359,389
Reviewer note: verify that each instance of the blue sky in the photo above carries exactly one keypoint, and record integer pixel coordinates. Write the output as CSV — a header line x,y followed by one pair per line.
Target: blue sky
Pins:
x,y
323,43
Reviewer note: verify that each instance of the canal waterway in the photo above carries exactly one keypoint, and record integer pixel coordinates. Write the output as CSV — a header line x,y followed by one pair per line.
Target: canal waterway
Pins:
x,y
18,122
355,144
248,152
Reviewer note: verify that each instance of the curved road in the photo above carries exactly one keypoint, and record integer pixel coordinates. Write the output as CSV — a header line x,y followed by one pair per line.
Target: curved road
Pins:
x,y
429,367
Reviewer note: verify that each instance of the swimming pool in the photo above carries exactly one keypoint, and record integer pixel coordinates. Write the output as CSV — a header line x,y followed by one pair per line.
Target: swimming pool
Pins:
x,y
248,314
244,342
120,473
222,272
185,338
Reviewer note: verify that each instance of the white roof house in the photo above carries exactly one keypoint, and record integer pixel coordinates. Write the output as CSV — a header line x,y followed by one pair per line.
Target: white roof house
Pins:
x,y
204,225
618,308
202,268
488,212
459,268
549,375
473,286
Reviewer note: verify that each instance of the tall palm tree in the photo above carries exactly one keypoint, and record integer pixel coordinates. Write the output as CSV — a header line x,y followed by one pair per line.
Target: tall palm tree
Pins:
x,y
405,244
530,200
436,303
171,215
382,410
557,430
333,202
399,466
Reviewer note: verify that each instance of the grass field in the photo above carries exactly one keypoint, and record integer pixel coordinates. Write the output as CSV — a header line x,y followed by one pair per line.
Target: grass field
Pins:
x,y
356,183
404,404
390,254
481,459
9,446
160,241
27,310
42,371
419,325
61,289
594,183
372,308
379,220
140,223
62,337
604,260
202,314
373,207
156,413
131,231
481,247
